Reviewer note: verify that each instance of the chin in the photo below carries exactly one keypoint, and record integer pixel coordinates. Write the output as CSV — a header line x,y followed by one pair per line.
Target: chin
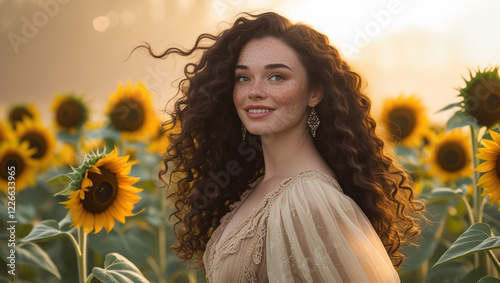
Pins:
x,y
258,131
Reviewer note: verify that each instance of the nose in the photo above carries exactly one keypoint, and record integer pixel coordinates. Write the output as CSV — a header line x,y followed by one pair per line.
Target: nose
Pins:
x,y
257,90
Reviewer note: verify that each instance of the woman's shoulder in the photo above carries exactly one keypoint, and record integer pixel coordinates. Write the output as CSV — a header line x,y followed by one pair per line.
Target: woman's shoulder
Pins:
x,y
307,186
314,177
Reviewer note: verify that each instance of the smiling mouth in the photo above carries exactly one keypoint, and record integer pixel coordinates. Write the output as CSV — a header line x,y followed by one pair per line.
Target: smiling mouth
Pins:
x,y
258,111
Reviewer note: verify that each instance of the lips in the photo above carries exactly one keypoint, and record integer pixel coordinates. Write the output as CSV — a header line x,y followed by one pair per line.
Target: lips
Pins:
x,y
258,111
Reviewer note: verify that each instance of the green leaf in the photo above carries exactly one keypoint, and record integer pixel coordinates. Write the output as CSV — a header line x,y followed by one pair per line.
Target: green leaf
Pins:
x,y
450,272
453,105
476,238
118,269
489,280
461,119
443,193
45,230
136,244
31,254
473,275
62,183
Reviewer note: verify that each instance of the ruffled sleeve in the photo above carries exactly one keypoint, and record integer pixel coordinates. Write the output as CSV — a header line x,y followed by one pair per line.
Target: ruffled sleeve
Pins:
x,y
318,234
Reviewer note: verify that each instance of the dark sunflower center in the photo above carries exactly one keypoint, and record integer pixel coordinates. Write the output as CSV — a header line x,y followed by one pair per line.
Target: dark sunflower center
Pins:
x,y
69,114
128,115
497,166
11,162
36,140
451,157
484,102
402,123
18,114
492,102
103,192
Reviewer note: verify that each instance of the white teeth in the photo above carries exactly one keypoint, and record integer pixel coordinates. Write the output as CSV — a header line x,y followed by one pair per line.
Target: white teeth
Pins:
x,y
259,110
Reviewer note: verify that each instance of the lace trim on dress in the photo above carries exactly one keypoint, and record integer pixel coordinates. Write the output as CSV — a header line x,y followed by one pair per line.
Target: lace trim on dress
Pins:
x,y
258,224
214,261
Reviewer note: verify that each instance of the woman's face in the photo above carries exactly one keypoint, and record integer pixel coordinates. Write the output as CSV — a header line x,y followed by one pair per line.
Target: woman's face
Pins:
x,y
271,93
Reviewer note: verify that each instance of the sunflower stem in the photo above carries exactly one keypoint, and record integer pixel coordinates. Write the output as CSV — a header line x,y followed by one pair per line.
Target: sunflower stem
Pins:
x,y
494,260
478,213
469,210
91,276
481,258
82,256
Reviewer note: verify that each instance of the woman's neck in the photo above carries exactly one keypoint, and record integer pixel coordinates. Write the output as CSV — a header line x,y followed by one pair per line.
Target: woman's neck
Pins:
x,y
287,154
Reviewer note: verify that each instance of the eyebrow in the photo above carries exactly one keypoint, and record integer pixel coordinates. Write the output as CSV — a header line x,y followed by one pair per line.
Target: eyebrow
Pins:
x,y
270,66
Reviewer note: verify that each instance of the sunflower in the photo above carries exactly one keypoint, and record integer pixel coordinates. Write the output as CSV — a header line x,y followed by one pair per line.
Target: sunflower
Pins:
x,y
161,140
18,113
130,112
490,179
66,155
102,192
70,112
5,132
38,137
15,159
93,144
482,97
450,156
404,118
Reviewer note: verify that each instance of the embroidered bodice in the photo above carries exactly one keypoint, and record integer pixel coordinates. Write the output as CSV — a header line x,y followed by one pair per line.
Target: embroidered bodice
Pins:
x,y
305,230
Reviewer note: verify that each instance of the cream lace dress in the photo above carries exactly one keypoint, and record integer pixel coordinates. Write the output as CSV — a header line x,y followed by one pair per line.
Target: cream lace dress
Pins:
x,y
305,230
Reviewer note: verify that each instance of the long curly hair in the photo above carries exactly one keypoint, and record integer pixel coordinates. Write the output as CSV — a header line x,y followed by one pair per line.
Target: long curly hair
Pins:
x,y
207,165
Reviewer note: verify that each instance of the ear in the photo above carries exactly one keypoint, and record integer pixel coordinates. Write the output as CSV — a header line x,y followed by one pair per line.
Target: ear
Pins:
x,y
316,96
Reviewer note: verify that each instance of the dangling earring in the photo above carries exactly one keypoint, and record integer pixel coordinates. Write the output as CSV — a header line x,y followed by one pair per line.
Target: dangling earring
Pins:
x,y
313,122
243,131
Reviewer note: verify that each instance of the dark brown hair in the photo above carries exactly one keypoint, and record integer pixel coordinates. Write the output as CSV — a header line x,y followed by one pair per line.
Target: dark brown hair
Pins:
x,y
215,166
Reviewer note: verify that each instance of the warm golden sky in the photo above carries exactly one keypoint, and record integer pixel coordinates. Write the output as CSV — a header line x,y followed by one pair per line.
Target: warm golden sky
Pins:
x,y
399,46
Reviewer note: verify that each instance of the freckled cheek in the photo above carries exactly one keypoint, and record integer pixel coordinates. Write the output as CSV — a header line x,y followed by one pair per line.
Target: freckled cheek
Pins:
x,y
291,96
238,97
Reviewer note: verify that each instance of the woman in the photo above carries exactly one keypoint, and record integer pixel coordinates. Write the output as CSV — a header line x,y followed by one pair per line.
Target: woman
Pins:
x,y
282,176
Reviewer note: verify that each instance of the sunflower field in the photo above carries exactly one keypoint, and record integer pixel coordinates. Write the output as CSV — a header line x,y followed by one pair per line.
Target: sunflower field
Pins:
x,y
456,171
82,202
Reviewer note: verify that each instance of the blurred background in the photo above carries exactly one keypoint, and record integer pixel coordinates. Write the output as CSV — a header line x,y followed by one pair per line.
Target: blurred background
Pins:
x,y
414,56
399,46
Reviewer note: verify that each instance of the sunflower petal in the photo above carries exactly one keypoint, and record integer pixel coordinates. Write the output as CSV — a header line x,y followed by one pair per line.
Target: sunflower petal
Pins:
x,y
108,221
116,213
98,223
86,182
127,180
94,169
495,136
131,189
487,156
487,150
89,222
482,182
491,144
485,166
